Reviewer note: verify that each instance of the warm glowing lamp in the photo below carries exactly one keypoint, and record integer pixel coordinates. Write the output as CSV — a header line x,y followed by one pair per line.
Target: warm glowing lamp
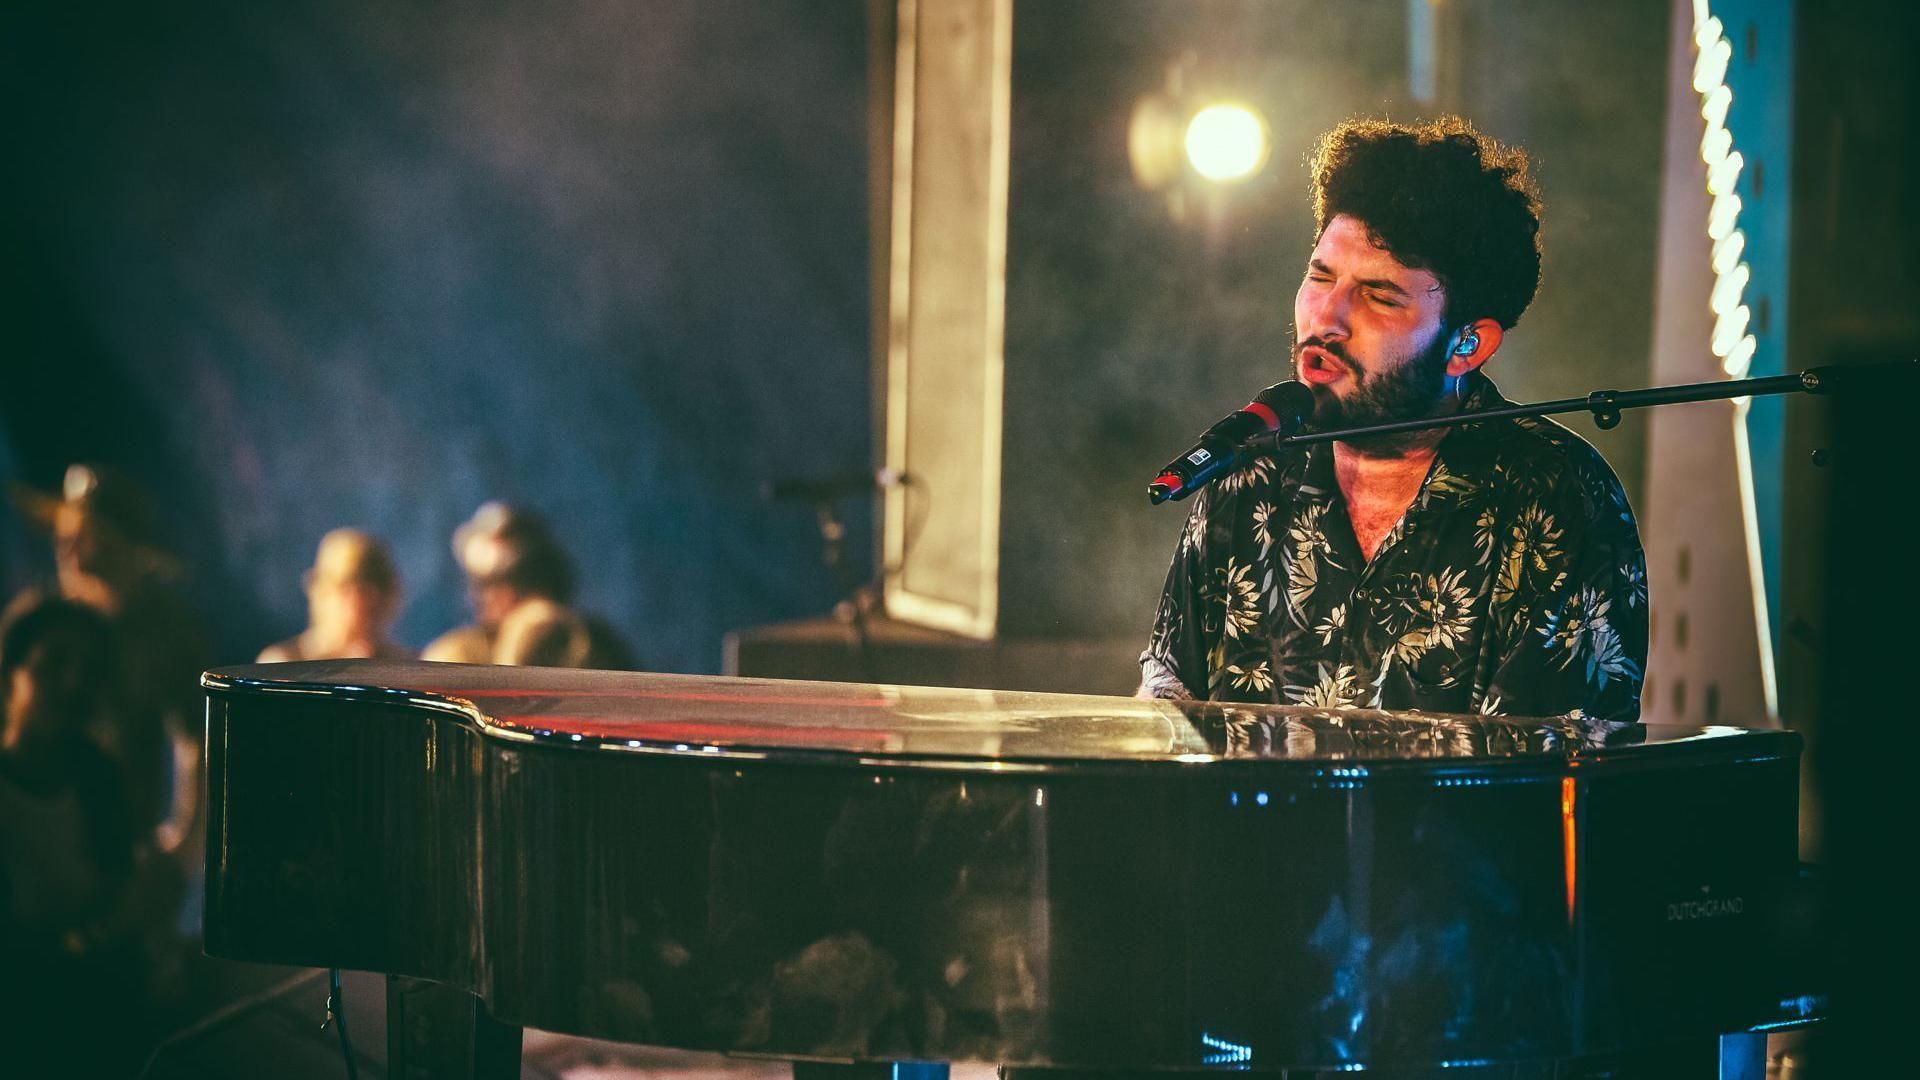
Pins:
x,y
1226,143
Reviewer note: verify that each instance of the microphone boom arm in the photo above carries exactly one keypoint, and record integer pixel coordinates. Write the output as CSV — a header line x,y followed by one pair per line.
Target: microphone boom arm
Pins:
x,y
1606,405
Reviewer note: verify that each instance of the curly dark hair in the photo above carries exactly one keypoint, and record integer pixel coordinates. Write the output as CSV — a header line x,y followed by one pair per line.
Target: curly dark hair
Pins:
x,y
1441,197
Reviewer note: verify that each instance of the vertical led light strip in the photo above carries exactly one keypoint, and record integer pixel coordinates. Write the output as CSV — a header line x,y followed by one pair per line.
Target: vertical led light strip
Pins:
x,y
1732,340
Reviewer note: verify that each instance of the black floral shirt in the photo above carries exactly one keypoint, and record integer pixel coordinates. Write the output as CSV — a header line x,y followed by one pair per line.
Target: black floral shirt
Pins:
x,y
1515,584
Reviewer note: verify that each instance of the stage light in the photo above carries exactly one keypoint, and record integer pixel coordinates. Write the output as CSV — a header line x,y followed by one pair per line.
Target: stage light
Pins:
x,y
1224,1051
1730,340
1728,290
1723,216
1227,142
1715,144
1706,27
1711,69
1727,251
1153,142
1713,108
1741,358
1728,329
1722,176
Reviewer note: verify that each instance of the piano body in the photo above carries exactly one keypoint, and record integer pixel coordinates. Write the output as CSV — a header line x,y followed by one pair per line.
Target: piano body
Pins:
x,y
839,873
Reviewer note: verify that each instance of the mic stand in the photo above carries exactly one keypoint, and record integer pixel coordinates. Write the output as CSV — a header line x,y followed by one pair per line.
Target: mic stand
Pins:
x,y
852,610
1606,405
824,495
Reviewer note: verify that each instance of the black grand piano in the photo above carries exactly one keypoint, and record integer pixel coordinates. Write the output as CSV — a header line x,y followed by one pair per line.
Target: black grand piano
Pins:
x,y
852,875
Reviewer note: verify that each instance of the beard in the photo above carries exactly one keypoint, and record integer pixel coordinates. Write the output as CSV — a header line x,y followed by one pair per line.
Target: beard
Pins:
x,y
1415,390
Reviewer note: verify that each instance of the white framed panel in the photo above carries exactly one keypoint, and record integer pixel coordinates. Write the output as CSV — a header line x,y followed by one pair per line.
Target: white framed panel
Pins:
x,y
946,312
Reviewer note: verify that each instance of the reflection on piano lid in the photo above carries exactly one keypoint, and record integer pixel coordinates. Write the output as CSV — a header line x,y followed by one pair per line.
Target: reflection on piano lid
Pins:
x,y
950,727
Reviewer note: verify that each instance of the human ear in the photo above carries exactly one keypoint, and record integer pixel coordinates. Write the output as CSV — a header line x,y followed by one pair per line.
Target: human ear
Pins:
x,y
1473,346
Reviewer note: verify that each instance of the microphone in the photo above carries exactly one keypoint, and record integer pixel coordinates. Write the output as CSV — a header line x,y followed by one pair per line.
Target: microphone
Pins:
x,y
1282,407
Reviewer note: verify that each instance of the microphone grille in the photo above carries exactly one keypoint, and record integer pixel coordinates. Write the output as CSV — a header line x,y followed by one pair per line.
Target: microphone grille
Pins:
x,y
1291,400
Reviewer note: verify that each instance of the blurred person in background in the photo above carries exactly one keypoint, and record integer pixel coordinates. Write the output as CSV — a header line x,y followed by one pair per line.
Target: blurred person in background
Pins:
x,y
520,582
71,902
105,558
353,594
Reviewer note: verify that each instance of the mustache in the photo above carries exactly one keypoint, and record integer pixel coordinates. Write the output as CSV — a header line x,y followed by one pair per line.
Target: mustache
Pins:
x,y
1335,349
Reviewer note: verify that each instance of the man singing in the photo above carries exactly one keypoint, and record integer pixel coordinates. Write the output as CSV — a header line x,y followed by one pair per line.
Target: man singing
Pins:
x,y
1493,567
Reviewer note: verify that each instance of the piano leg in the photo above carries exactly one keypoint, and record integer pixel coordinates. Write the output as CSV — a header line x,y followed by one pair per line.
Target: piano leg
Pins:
x,y
890,1070
440,1032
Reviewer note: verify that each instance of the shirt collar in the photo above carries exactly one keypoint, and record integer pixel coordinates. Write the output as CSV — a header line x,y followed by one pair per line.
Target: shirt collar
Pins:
x,y
1463,466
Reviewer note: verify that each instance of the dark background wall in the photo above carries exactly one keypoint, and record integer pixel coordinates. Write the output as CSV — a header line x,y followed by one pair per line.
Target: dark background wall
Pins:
x,y
305,265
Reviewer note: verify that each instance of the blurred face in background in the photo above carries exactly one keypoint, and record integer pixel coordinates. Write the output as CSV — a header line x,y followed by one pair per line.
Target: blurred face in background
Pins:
x,y
45,693
492,601
90,560
353,594
346,609
487,559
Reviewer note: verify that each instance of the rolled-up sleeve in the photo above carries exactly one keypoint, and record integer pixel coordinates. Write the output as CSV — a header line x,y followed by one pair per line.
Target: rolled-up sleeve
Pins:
x,y
1174,664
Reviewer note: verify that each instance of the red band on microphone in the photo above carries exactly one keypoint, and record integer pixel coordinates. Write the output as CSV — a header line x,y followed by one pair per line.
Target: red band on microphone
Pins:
x,y
1169,481
1260,410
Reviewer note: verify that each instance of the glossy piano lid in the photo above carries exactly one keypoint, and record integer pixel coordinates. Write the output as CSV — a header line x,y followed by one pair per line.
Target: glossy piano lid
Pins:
x,y
711,715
